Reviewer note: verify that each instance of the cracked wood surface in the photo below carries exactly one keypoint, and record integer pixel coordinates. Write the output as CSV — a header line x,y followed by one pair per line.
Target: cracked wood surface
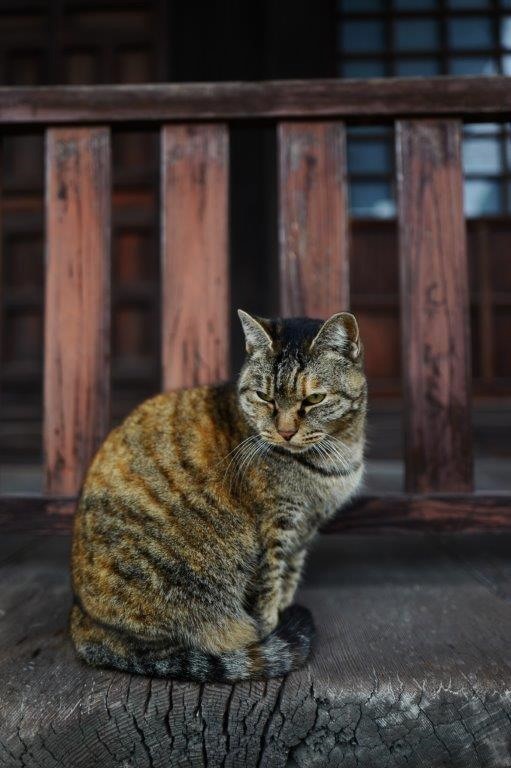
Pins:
x,y
412,667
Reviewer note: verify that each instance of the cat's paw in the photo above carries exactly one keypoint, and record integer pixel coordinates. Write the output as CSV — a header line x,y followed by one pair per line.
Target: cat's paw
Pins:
x,y
267,622
286,601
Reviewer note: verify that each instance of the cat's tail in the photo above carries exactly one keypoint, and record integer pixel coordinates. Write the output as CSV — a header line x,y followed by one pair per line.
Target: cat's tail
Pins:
x,y
283,650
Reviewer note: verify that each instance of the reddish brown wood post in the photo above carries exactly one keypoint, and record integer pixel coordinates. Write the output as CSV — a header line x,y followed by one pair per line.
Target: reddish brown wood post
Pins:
x,y
313,220
195,259
434,307
77,314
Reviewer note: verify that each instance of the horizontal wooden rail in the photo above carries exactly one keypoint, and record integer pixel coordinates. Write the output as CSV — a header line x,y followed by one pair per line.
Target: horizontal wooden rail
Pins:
x,y
387,513
432,513
365,100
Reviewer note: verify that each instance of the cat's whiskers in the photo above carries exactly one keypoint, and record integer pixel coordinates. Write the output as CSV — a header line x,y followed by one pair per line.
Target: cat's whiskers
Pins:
x,y
322,452
257,451
237,452
235,462
337,458
333,449
246,460
239,457
236,447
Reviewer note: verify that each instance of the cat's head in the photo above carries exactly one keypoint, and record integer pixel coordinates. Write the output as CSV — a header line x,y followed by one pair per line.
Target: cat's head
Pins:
x,y
302,379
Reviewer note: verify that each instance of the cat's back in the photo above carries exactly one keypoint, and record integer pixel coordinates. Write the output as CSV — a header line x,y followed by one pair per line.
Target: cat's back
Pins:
x,y
164,459
153,514
181,430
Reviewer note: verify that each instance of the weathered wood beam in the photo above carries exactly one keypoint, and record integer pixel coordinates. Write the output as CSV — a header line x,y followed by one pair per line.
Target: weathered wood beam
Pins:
x,y
372,100
77,303
434,513
410,667
313,219
195,257
401,513
435,323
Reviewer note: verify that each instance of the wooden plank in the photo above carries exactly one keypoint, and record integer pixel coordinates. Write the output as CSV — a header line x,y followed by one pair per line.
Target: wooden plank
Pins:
x,y
410,667
195,259
313,219
400,513
373,100
77,316
434,513
434,307
37,514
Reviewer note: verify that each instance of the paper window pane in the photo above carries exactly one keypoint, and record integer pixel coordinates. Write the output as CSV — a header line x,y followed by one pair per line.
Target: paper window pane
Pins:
x,y
473,65
475,129
372,199
482,197
361,36
470,34
505,32
363,68
468,4
359,6
414,5
416,35
369,157
417,67
482,156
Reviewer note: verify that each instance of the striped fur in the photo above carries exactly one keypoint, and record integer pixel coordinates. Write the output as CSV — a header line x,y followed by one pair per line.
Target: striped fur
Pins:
x,y
196,514
284,649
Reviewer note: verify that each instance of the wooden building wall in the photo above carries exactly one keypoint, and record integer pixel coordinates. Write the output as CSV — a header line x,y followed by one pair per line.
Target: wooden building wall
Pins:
x,y
71,42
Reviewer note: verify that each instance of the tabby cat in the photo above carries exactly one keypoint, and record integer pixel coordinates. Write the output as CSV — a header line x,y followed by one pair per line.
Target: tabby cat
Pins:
x,y
196,512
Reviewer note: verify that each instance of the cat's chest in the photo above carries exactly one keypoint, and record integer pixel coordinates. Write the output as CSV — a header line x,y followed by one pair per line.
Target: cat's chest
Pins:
x,y
319,492
312,502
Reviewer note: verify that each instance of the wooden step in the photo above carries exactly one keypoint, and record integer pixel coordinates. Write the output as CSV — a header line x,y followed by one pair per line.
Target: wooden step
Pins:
x,y
412,667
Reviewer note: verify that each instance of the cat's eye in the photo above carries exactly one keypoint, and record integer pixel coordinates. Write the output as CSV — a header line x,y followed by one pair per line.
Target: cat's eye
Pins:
x,y
314,399
264,396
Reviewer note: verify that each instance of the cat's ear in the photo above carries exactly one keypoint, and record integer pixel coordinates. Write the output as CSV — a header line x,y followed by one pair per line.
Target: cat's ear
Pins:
x,y
339,332
256,334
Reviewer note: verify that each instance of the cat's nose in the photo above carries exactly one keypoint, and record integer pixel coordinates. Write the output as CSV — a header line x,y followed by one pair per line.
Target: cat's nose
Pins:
x,y
287,434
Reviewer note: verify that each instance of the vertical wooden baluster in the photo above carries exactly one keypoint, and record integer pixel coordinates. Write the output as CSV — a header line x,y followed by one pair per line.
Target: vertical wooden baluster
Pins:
x,y
485,299
195,260
313,219
77,315
1,260
434,307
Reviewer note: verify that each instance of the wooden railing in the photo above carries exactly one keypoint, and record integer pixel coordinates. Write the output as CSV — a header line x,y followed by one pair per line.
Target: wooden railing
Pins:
x,y
314,263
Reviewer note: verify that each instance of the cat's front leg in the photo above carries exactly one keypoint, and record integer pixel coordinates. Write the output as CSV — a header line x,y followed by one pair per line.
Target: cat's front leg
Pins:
x,y
269,589
291,578
279,571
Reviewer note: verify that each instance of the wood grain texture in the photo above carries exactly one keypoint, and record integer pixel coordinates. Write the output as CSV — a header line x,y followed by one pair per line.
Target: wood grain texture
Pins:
x,y
434,513
434,307
313,219
399,513
195,259
37,514
401,672
77,301
374,100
